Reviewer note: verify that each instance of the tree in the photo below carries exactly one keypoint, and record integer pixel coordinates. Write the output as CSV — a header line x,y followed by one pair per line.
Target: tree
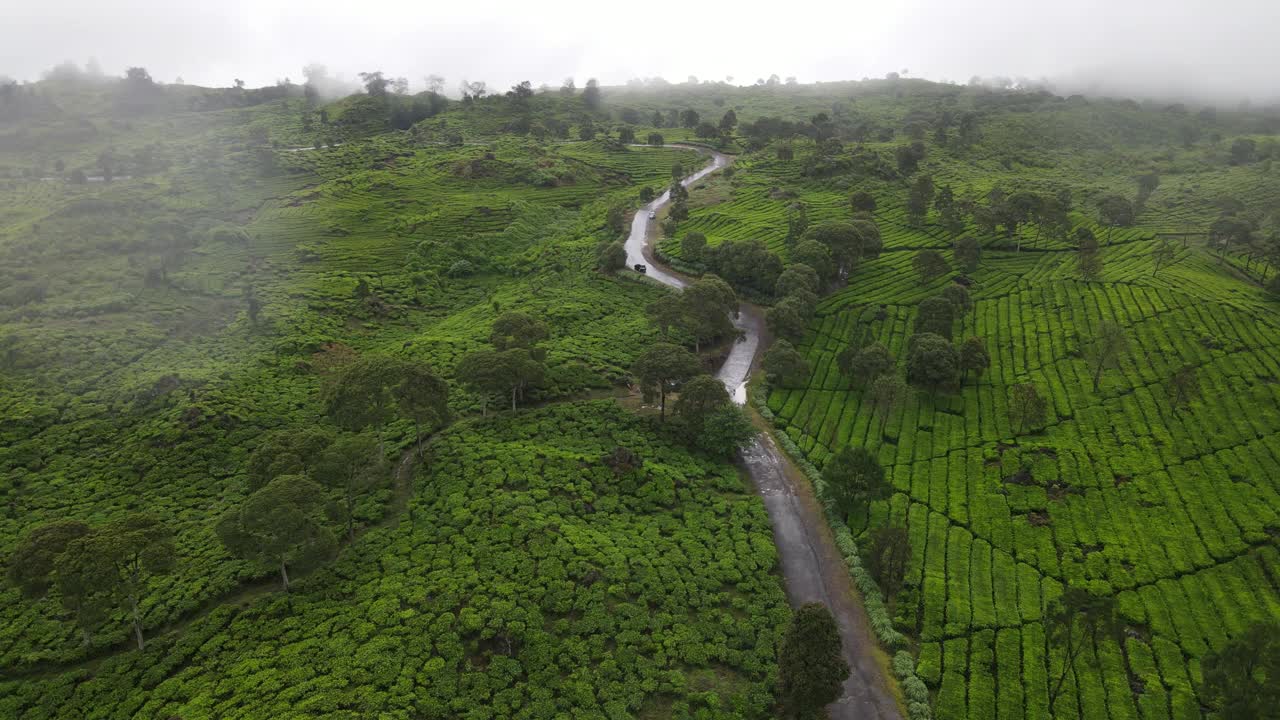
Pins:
x,y
591,94
1089,265
1163,254
359,395
706,131
784,365
932,361
626,135
973,358
747,264
279,527
1115,211
948,211
514,329
689,118
862,201
655,139
611,257
786,319
699,397
853,478
32,564
797,277
935,315
662,368
1073,622
866,364
520,369
725,431
958,296
483,372
1027,408
286,452
919,197
815,255
354,466
1105,349
1147,184
887,392
706,307
848,242
692,246
728,121
811,666
967,253
1243,151
1242,679
117,561
375,84
1182,387
929,265
888,558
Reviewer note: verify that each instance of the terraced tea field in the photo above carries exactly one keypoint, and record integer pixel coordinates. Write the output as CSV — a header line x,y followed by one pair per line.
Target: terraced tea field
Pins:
x,y
1172,512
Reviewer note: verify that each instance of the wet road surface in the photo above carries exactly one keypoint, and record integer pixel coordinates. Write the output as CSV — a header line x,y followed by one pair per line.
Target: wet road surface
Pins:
x,y
812,568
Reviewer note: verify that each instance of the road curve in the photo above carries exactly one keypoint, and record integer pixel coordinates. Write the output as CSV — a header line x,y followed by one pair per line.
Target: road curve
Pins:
x,y
812,568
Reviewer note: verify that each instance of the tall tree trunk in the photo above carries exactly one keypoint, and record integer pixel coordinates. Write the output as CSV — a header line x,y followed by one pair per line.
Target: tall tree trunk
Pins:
x,y
137,622
1097,375
351,513
284,575
513,397
662,405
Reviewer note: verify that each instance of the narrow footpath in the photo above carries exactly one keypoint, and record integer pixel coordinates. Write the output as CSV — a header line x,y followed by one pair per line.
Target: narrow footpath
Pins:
x,y
812,567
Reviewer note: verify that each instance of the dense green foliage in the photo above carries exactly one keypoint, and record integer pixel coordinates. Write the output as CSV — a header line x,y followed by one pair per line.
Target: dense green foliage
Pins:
x,y
1152,487
534,581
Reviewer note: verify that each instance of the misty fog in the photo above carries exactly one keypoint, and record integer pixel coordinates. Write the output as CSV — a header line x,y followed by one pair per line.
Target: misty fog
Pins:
x,y
1185,49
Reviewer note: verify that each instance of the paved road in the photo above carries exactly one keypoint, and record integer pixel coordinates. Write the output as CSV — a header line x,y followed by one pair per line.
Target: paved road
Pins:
x,y
812,568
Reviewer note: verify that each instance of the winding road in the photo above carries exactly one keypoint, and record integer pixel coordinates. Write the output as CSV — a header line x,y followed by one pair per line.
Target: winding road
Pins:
x,y
812,568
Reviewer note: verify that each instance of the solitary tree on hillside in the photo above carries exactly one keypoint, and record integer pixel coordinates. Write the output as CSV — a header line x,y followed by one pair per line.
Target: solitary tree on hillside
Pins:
x,y
692,247
929,265
286,452
661,369
1114,211
483,372
784,365
968,253
811,667
32,564
888,558
1105,349
853,479
1242,679
887,393
354,466
1075,621
279,527
611,257
422,396
973,358
932,361
117,561
935,315
862,201
360,395
1027,408
516,329
865,364
959,297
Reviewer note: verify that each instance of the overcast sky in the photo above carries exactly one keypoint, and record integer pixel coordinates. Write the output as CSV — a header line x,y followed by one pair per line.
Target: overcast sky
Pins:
x,y
1230,48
